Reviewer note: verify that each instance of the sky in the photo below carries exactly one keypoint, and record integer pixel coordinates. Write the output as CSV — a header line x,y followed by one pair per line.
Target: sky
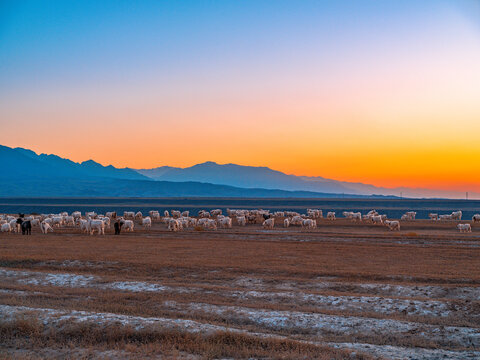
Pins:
x,y
379,92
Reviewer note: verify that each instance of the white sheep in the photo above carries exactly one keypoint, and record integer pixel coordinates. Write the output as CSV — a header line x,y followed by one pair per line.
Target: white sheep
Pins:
x,y
457,215
96,224
203,214
269,223
128,225
91,214
57,221
445,217
309,224
377,219
210,224
184,221
464,227
82,223
476,218
241,220
45,227
111,214
357,216
106,220
216,212
192,221
154,215
225,222
392,225
147,222
409,215
331,215
315,213
433,217
69,221
129,215
174,225
14,226
6,227
296,220
286,223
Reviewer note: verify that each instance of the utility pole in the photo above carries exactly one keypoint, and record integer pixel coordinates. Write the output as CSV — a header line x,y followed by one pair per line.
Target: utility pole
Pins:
x,y
401,195
466,195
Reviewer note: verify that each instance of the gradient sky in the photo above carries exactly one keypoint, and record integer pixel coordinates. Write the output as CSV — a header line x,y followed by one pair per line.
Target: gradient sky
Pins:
x,y
381,92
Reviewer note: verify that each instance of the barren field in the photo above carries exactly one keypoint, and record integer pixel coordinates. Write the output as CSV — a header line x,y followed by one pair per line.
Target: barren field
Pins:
x,y
340,291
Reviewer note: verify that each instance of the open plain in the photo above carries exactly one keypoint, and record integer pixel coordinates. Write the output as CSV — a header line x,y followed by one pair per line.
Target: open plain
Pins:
x,y
343,290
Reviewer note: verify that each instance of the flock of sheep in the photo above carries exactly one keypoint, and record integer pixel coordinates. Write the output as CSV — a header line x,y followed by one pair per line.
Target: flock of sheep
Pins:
x,y
176,220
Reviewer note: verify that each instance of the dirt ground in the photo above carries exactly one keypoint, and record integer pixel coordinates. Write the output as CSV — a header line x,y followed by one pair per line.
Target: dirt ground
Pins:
x,y
341,291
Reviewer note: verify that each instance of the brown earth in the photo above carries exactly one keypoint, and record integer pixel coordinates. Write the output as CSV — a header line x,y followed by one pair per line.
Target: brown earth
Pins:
x,y
341,291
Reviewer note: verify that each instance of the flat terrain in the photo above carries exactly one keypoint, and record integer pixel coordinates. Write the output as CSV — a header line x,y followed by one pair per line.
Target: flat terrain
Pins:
x,y
340,291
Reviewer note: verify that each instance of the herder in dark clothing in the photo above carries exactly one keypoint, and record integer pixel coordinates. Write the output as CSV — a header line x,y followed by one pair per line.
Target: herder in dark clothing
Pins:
x,y
118,226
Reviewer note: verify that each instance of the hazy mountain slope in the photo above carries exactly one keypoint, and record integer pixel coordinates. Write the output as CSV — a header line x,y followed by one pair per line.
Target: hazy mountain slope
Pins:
x,y
108,187
26,173
23,162
244,176
250,176
29,174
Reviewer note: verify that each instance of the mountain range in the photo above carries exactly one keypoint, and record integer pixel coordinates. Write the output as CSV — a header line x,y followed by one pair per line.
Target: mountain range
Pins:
x,y
264,177
254,177
26,173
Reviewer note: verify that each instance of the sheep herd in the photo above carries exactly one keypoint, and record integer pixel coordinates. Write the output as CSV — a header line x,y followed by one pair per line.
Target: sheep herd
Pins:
x,y
177,220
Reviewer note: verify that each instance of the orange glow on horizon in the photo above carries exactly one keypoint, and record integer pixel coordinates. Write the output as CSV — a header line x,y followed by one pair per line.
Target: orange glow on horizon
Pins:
x,y
392,99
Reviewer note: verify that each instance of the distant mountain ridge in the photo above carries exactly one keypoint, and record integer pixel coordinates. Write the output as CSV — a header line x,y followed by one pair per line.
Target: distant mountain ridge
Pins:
x,y
28,174
264,177
23,162
245,176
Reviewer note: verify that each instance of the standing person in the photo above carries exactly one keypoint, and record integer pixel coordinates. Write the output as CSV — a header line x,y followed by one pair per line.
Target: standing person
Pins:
x,y
118,227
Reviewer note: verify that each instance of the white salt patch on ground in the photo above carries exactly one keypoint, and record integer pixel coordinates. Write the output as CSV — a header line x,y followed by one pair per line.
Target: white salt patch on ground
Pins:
x,y
342,325
344,303
62,280
357,303
57,317
21,292
401,353
409,291
447,292
136,286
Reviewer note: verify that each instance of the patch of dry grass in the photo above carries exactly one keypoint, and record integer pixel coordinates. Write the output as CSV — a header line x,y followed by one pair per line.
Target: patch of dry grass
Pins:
x,y
29,332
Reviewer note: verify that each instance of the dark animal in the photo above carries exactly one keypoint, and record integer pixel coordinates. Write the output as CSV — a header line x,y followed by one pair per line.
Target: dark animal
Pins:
x,y
25,225
267,216
118,227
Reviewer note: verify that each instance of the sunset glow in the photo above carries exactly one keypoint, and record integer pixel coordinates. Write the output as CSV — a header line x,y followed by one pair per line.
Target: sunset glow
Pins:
x,y
385,93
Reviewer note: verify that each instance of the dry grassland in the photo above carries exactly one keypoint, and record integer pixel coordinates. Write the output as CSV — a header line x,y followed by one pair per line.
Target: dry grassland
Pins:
x,y
341,291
